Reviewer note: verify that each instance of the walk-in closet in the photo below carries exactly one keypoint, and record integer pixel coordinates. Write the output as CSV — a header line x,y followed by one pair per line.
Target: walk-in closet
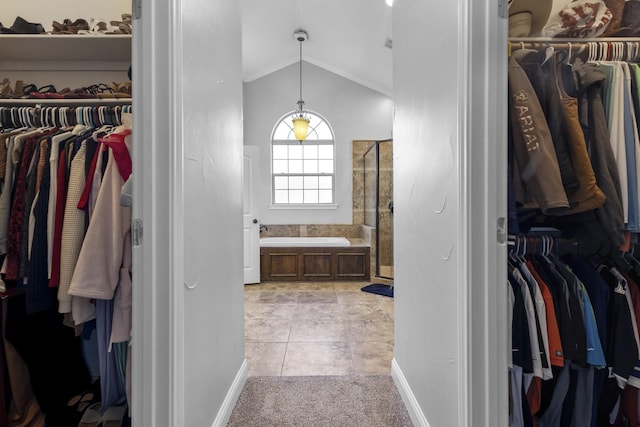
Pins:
x,y
573,255
65,222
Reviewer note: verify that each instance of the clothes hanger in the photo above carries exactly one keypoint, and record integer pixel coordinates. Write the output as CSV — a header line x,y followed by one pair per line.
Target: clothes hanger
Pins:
x,y
548,53
622,282
511,259
568,58
635,264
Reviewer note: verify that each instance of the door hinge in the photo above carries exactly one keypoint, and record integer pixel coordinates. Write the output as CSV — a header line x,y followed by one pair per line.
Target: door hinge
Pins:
x,y
136,8
502,230
136,232
503,8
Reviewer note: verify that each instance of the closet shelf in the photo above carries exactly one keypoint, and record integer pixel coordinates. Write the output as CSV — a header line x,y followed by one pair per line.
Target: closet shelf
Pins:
x,y
573,40
63,48
64,102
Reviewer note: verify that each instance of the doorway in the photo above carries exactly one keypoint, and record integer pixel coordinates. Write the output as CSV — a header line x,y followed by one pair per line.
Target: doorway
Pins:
x,y
169,319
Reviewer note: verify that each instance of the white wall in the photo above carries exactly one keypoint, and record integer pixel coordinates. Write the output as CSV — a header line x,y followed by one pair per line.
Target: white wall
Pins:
x,y
354,112
449,190
427,144
212,160
189,306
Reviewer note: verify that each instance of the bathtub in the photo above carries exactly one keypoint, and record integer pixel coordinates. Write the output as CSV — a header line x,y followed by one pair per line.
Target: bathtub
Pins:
x,y
303,242
312,258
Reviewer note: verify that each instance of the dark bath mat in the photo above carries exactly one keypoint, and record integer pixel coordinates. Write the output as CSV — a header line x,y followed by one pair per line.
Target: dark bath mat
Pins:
x,y
379,289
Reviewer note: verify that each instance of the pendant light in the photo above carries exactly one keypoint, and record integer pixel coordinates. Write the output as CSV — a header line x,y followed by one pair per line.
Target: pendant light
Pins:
x,y
300,119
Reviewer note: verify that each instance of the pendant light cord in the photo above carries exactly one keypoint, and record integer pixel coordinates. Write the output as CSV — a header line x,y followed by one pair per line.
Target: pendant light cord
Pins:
x,y
300,42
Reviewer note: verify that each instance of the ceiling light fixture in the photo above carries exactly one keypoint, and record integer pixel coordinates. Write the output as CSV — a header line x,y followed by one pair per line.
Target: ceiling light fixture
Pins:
x,y
300,119
389,2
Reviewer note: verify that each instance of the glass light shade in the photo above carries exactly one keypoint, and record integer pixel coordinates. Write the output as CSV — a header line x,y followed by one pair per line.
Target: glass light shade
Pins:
x,y
300,128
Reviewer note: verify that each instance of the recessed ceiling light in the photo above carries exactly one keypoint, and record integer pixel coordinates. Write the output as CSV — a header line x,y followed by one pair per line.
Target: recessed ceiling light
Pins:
x,y
389,2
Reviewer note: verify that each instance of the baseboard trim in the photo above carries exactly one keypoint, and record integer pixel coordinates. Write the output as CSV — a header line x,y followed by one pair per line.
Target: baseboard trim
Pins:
x,y
232,396
409,399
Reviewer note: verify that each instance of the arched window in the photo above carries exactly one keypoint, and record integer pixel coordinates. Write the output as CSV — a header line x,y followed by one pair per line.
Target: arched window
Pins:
x,y
302,173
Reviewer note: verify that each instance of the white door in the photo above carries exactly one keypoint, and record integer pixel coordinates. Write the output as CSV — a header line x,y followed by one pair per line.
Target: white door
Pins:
x,y
251,224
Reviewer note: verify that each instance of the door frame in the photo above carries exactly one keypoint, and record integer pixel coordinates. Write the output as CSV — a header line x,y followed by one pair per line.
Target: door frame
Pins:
x,y
157,319
158,388
254,173
483,124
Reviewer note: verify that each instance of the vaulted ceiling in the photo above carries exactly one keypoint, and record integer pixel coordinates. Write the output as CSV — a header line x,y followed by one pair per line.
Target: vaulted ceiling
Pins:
x,y
346,37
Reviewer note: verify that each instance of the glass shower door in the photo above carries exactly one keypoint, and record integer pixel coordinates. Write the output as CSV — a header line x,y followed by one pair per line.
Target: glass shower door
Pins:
x,y
385,209
378,203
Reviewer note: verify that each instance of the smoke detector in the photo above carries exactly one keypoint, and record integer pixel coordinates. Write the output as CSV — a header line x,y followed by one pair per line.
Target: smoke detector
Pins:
x,y
300,36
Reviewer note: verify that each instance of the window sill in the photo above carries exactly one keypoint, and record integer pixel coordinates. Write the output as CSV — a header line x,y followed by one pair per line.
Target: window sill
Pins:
x,y
327,206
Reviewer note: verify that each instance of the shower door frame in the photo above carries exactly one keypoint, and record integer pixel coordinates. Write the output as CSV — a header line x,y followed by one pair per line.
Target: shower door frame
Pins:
x,y
376,146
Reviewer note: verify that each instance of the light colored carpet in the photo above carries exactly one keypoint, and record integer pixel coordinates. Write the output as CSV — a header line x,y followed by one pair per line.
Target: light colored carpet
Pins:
x,y
336,401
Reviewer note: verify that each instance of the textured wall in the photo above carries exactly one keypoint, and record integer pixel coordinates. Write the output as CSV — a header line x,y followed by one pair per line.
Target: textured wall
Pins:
x,y
427,140
213,244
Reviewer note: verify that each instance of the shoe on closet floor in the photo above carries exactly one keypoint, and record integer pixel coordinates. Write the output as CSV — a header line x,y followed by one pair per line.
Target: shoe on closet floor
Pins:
x,y
96,27
92,416
70,27
21,26
5,89
113,416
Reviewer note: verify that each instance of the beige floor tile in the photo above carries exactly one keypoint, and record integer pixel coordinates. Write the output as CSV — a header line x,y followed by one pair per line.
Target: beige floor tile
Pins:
x,y
372,358
278,297
349,286
369,330
317,331
266,330
317,359
314,297
320,311
258,310
356,296
317,328
275,286
251,293
265,359
363,311
314,286
387,305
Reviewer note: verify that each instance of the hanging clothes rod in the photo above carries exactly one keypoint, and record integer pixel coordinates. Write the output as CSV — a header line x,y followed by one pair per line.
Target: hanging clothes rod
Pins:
x,y
68,102
38,116
602,49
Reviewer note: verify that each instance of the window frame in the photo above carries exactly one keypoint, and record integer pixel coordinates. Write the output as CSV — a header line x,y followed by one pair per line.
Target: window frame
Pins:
x,y
283,121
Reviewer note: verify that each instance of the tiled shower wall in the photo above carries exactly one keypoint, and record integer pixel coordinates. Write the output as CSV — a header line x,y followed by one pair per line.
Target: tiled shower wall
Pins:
x,y
315,230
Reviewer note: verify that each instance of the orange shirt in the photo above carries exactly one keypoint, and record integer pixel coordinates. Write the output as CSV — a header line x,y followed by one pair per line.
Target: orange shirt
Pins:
x,y
556,355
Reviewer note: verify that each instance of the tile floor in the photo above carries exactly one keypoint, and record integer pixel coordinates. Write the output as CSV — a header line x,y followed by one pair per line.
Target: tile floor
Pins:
x,y
328,328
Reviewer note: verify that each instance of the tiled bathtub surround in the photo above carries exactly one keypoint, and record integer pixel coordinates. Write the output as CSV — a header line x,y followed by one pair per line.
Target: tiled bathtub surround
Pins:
x,y
317,329
314,230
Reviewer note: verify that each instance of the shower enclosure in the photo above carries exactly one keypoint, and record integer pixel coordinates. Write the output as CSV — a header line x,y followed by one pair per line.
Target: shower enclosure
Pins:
x,y
378,202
